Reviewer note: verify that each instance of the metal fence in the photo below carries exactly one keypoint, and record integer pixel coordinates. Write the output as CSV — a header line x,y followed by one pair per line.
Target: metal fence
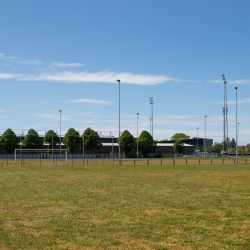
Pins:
x,y
76,159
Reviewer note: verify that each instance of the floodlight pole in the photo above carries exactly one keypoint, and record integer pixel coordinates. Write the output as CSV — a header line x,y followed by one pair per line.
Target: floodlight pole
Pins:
x,y
21,149
236,128
119,124
82,149
60,133
113,148
52,150
151,101
205,138
197,138
137,135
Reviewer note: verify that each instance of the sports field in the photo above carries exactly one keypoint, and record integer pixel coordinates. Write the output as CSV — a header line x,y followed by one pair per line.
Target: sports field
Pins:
x,y
125,207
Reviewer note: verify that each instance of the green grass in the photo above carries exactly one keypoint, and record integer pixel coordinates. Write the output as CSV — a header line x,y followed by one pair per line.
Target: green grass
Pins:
x,y
125,207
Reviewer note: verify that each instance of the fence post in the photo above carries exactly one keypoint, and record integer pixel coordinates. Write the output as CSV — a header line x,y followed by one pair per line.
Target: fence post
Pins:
x,y
199,161
173,161
211,161
148,162
40,159
56,159
234,161
223,161
134,161
87,161
102,161
161,161
186,161
246,160
7,159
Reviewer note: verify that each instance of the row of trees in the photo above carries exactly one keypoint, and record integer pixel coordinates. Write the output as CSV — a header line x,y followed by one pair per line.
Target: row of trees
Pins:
x,y
73,140
218,147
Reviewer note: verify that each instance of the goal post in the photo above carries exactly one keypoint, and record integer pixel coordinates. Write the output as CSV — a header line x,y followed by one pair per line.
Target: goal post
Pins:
x,y
41,151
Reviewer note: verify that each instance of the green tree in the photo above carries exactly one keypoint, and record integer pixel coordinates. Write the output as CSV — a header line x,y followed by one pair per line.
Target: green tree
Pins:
x,y
72,140
179,136
248,147
178,147
9,141
127,142
48,139
32,140
241,150
232,143
91,140
216,147
146,144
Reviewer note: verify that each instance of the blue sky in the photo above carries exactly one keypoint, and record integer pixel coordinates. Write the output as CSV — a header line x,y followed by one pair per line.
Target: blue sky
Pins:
x,y
68,54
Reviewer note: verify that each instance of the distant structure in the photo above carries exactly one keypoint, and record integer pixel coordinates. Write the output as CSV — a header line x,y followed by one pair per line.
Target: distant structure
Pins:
x,y
151,101
225,120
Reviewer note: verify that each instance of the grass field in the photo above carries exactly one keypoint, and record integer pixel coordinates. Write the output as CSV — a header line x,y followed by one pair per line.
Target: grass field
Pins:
x,y
125,207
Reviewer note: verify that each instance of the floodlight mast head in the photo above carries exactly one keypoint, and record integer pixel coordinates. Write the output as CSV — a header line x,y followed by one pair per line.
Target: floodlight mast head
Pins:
x,y
151,101
118,80
235,87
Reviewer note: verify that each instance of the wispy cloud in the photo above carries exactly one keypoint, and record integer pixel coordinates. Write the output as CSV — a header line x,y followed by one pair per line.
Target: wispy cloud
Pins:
x,y
103,76
10,58
84,100
246,100
31,62
66,65
9,76
91,101
236,82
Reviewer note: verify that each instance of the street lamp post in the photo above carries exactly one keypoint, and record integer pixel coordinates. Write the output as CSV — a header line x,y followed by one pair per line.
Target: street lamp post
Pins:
x,y
197,138
137,135
119,124
205,138
236,128
60,134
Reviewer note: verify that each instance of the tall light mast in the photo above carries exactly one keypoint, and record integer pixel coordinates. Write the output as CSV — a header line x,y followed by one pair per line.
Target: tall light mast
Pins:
x,y
225,118
151,101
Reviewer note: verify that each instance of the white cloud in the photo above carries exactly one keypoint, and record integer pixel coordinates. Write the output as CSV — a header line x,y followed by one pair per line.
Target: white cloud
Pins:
x,y
84,100
66,65
236,82
91,101
8,76
31,62
103,76
246,100
1,55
